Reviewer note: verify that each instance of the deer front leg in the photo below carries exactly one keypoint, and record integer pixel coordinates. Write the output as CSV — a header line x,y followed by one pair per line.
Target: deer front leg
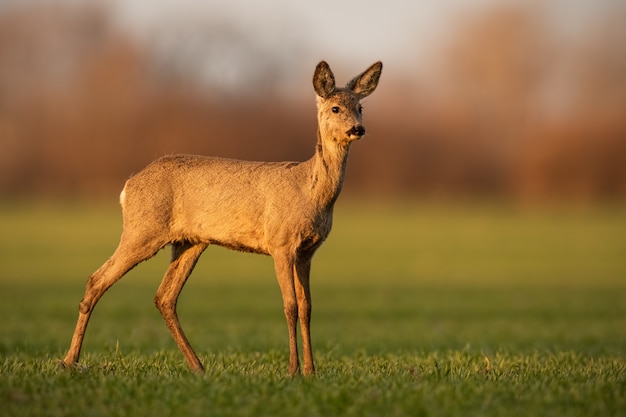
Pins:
x,y
303,293
284,267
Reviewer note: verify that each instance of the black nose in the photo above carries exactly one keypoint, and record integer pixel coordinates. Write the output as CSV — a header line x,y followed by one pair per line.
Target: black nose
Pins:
x,y
357,130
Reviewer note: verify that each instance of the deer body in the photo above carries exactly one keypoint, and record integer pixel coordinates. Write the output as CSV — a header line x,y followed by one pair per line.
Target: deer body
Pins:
x,y
281,199
281,209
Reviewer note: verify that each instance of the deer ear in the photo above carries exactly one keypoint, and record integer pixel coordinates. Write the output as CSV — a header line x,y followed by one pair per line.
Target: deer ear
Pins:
x,y
323,80
365,84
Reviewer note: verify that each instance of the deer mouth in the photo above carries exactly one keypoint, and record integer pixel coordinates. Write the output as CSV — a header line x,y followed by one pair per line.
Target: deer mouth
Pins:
x,y
356,132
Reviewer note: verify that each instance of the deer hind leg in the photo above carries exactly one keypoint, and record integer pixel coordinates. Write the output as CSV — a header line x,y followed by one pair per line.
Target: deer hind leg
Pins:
x,y
284,267
127,255
184,258
303,294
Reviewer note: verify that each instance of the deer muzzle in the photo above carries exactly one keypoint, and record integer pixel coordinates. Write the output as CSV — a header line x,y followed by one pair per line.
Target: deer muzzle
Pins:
x,y
356,132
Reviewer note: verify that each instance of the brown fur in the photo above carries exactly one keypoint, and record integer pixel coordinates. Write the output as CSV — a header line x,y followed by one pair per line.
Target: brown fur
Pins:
x,y
282,209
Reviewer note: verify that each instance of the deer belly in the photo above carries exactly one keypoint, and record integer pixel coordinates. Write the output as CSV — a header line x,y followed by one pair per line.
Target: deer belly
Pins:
x,y
231,232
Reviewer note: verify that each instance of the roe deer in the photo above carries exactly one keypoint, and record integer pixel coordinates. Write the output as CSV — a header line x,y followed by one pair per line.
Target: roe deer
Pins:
x,y
281,209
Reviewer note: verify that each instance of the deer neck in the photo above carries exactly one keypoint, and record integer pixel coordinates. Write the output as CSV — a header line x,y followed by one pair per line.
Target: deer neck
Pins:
x,y
327,170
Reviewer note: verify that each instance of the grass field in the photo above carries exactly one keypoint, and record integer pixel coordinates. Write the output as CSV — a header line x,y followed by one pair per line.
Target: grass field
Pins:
x,y
419,310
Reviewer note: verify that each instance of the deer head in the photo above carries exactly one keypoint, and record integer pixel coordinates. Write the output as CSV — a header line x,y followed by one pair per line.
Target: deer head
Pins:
x,y
339,109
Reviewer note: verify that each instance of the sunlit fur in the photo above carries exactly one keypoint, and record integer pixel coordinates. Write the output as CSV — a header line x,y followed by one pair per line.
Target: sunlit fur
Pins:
x,y
281,209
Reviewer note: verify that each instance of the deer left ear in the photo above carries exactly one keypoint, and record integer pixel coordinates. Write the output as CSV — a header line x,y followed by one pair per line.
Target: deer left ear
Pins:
x,y
365,84
323,80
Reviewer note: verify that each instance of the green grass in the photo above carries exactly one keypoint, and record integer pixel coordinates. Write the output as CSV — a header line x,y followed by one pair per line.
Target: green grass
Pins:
x,y
419,309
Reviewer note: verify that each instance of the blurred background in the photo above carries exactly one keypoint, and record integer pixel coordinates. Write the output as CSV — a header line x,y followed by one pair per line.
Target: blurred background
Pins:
x,y
516,100
483,213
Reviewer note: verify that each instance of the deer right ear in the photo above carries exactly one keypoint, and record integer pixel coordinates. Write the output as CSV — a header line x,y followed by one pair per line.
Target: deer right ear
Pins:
x,y
323,80
364,84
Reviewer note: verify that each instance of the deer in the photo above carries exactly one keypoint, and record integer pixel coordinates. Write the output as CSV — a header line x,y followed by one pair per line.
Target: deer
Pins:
x,y
280,209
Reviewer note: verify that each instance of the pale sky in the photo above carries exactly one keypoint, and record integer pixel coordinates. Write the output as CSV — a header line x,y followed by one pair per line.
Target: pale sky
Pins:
x,y
350,34
342,29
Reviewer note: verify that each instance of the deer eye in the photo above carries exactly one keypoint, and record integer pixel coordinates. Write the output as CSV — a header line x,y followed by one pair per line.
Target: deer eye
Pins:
x,y
360,109
335,109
